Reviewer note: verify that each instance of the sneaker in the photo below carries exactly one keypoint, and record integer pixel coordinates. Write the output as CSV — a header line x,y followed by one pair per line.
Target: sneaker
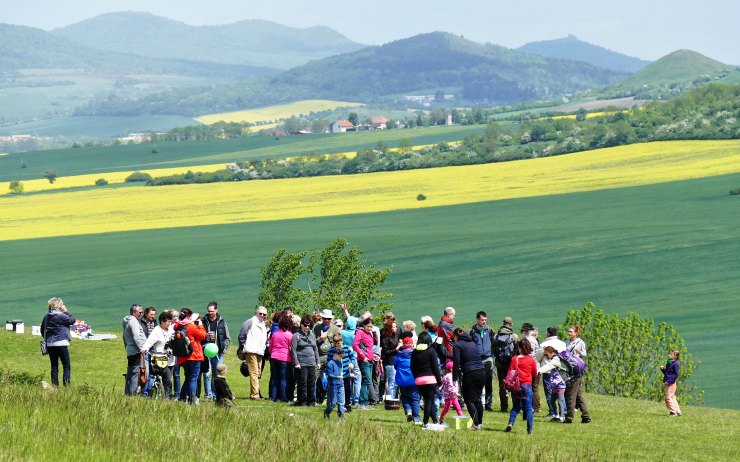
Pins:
x,y
489,408
409,417
567,421
480,427
424,426
585,419
672,414
555,419
327,413
474,428
550,416
348,409
507,429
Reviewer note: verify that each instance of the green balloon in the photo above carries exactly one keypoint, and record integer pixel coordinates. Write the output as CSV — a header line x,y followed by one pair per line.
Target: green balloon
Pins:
x,y
211,350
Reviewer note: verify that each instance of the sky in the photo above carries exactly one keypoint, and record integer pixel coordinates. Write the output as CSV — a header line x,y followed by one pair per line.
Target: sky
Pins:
x,y
647,29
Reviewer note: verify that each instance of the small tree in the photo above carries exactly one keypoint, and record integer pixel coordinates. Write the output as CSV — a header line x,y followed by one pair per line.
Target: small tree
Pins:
x,y
624,355
101,182
333,275
51,175
16,187
353,118
405,145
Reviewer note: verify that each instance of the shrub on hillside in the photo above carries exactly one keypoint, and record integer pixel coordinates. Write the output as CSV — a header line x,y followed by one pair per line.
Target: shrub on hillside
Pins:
x,y
16,187
51,175
735,192
138,176
101,182
625,354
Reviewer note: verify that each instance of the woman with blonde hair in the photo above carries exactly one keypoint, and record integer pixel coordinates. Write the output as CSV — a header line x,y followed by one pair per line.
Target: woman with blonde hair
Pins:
x,y
55,329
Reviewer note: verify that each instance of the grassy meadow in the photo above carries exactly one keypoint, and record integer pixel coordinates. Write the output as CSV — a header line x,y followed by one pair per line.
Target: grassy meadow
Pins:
x,y
92,420
276,112
667,251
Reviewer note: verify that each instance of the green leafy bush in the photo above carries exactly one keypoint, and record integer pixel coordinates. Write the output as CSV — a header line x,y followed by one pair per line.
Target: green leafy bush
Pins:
x,y
16,187
735,192
101,182
138,176
625,354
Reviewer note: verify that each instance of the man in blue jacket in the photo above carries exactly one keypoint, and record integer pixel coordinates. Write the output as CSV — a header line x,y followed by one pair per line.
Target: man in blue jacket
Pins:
x,y
482,335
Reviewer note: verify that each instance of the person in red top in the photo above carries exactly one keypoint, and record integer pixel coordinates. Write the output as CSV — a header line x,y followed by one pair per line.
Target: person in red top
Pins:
x,y
196,333
526,368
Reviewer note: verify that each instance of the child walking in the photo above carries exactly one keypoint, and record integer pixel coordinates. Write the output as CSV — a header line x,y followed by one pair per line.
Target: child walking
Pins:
x,y
556,385
670,372
449,393
224,396
335,386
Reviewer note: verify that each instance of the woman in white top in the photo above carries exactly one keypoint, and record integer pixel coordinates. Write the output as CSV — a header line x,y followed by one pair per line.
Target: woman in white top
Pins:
x,y
156,344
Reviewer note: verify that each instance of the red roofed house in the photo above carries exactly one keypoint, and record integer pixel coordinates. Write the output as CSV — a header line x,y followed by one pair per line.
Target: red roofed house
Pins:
x,y
379,123
341,126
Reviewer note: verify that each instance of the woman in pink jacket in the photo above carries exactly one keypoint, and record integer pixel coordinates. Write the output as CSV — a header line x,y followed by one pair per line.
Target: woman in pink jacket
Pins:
x,y
281,364
363,345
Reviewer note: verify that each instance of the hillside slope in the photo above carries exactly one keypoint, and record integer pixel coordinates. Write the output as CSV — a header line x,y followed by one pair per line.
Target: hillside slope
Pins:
x,y
678,66
571,47
250,42
424,64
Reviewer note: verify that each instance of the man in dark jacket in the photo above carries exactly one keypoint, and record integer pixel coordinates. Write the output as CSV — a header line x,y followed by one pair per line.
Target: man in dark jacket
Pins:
x,y
482,336
445,329
216,332
468,365
504,348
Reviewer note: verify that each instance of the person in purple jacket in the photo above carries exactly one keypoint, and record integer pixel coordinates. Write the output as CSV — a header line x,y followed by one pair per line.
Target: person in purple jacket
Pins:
x,y
670,371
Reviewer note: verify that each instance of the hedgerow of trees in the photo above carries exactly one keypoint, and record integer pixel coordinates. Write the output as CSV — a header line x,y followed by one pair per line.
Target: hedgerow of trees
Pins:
x,y
625,353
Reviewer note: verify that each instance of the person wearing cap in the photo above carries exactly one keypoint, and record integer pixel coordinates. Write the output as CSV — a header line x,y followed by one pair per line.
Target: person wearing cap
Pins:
x,y
410,398
529,332
504,348
324,332
252,340
196,333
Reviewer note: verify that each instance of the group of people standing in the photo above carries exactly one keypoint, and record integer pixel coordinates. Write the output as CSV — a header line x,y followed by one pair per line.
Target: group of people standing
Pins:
x,y
353,363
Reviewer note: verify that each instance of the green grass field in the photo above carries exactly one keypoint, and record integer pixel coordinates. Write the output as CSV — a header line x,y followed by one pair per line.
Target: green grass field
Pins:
x,y
666,251
91,127
84,160
92,420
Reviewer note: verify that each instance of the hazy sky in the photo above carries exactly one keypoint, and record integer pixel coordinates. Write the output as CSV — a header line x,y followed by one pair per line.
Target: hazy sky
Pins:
x,y
647,29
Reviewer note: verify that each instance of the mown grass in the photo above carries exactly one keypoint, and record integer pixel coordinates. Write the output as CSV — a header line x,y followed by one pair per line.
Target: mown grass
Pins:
x,y
667,251
92,420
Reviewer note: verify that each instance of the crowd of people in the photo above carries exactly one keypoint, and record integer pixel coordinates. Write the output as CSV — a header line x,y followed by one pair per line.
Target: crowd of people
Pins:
x,y
351,364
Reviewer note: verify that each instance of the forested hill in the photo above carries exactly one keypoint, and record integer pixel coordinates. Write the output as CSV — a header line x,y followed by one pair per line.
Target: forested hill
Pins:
x,y
424,64
571,47
251,42
24,47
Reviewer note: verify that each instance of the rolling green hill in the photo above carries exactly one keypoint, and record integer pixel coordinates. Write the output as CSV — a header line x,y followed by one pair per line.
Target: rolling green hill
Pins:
x,y
679,66
571,47
666,251
424,64
251,42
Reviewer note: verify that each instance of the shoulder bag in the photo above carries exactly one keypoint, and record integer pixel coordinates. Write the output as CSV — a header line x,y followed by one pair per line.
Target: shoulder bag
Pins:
x,y
512,382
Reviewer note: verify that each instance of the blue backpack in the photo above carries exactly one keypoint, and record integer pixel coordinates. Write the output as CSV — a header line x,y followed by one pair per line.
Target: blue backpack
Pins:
x,y
573,365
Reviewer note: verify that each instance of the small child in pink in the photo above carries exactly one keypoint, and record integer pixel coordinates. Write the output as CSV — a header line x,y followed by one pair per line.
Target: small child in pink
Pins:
x,y
449,392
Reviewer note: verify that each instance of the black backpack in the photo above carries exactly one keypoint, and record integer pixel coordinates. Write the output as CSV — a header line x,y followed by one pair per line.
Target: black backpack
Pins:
x,y
180,343
503,346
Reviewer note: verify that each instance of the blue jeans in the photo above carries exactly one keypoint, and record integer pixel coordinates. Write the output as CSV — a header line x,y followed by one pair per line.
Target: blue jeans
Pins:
x,y
555,400
523,402
335,396
210,379
410,399
176,381
279,378
189,385
56,354
356,385
366,367
390,388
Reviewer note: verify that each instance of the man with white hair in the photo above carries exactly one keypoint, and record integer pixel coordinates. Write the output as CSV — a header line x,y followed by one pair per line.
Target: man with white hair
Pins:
x,y
252,340
133,341
445,329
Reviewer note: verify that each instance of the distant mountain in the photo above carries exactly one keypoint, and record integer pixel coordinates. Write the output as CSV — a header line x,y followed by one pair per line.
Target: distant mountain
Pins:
x,y
251,42
473,72
677,67
30,48
571,47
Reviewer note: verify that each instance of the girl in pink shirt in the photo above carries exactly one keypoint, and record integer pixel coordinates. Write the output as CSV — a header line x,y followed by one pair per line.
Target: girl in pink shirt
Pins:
x,y
449,392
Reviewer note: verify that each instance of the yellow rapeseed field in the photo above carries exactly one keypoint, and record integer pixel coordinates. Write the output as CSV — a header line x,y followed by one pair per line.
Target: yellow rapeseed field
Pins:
x,y
136,208
277,112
